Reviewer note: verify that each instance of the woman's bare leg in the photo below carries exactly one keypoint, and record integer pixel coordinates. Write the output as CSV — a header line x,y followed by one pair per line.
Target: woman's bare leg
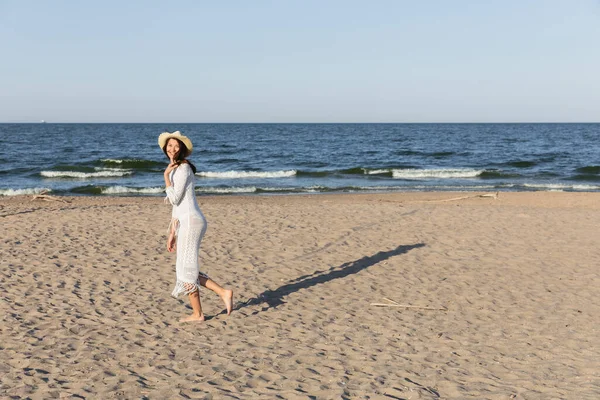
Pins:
x,y
225,294
197,314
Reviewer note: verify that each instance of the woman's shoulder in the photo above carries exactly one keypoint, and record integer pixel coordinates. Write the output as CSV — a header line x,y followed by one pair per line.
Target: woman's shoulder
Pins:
x,y
185,167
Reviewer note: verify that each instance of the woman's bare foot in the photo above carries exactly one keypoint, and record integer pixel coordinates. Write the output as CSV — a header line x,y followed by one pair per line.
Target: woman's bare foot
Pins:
x,y
228,300
193,318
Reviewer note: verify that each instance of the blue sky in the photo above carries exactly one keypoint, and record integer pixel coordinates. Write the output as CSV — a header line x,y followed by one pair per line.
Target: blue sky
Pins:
x,y
300,61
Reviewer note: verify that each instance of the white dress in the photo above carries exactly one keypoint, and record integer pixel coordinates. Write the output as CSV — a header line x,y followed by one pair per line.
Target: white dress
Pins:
x,y
190,228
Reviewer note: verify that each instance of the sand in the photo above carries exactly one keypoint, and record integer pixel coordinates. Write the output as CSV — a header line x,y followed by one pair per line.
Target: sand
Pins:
x,y
512,283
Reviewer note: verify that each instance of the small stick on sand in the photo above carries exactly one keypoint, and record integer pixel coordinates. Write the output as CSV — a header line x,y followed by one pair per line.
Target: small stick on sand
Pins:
x,y
396,304
43,196
493,195
405,306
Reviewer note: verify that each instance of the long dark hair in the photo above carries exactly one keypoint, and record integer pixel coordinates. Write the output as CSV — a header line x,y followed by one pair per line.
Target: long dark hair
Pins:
x,y
180,158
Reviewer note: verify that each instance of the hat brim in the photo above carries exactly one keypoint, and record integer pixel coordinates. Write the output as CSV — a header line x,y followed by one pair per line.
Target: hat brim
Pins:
x,y
164,137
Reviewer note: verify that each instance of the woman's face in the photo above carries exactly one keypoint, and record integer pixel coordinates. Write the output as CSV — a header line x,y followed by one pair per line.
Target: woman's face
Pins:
x,y
172,148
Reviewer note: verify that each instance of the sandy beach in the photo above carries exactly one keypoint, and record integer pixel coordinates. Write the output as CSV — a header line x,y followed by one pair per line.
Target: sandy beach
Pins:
x,y
502,297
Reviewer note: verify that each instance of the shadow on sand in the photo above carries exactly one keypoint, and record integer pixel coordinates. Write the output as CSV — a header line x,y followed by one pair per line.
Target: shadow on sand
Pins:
x,y
274,298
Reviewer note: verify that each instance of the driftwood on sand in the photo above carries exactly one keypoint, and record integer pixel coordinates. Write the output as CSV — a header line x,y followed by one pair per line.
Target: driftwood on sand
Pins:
x,y
393,303
485,195
43,196
492,195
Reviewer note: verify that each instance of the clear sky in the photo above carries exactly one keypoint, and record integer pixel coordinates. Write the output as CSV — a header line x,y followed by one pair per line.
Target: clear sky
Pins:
x,y
300,61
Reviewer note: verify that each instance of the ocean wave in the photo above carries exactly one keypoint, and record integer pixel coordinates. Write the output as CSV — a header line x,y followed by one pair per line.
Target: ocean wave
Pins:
x,y
109,169
247,174
436,173
225,190
496,174
378,172
292,190
104,173
585,177
21,192
279,190
365,171
521,164
458,188
586,187
350,189
589,170
559,187
125,190
340,189
587,173
282,190
133,163
314,174
348,171
87,190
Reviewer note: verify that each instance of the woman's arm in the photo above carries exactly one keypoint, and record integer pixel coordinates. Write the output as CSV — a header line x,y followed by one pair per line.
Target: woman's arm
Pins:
x,y
167,173
182,178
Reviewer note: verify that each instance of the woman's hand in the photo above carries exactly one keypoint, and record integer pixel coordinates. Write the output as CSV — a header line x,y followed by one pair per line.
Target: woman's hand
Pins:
x,y
172,165
171,243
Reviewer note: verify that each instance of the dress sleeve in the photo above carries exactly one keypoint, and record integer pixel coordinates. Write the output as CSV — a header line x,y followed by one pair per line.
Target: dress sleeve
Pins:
x,y
182,177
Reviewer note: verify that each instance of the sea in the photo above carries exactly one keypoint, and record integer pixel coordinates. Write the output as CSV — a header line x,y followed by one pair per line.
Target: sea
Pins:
x,y
268,159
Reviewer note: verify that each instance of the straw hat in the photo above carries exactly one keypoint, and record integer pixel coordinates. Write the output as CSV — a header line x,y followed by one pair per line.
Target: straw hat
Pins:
x,y
165,136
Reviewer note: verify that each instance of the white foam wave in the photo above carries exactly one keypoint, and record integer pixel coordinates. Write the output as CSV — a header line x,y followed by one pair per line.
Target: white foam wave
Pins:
x,y
104,173
22,192
376,171
125,160
309,189
586,187
280,189
315,189
125,189
248,189
452,187
558,187
550,186
111,169
436,173
246,174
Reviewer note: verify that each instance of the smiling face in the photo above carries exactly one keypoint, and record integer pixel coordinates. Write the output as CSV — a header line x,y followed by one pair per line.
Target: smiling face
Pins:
x,y
172,149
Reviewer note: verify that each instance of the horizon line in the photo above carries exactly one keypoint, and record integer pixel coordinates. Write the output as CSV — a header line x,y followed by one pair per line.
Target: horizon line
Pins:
x,y
42,122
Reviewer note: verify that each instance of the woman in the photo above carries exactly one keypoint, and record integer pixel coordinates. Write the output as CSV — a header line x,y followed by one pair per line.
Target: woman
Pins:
x,y
188,225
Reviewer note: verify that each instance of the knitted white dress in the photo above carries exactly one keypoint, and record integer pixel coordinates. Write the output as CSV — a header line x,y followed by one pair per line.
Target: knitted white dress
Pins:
x,y
191,227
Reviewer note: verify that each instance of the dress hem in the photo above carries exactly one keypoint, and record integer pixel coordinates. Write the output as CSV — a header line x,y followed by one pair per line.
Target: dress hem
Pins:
x,y
180,286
